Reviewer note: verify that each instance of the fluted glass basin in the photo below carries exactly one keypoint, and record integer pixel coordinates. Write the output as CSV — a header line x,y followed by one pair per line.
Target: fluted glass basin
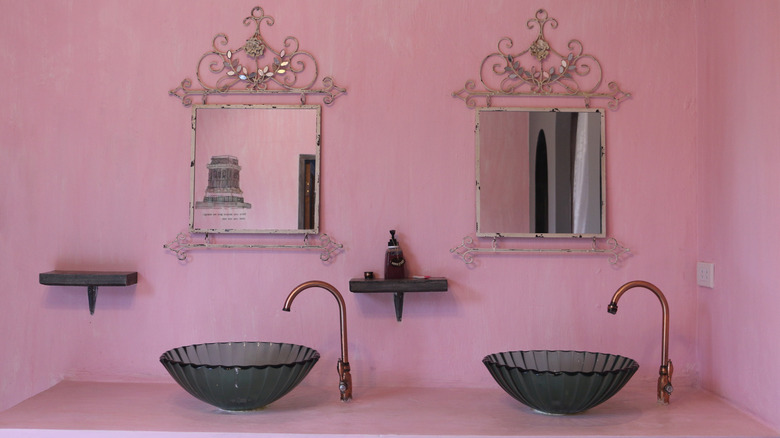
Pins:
x,y
239,376
560,382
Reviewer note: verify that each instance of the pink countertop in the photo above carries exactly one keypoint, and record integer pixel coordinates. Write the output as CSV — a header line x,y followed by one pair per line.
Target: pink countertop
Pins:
x,y
87,409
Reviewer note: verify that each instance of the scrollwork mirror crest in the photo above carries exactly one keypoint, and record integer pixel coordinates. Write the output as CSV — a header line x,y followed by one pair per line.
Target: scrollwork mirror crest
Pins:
x,y
257,68
540,70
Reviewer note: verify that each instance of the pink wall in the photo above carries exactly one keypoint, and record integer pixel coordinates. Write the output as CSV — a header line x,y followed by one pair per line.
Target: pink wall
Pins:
x,y
738,221
95,176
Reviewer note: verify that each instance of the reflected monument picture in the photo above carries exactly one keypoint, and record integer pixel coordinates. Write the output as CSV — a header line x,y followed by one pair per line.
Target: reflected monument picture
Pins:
x,y
223,187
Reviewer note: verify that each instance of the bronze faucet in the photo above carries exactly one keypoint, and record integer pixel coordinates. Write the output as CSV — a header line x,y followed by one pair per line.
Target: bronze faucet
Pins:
x,y
665,372
345,378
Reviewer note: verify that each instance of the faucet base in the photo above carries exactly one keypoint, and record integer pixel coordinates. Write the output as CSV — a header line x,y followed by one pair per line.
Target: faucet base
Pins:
x,y
345,381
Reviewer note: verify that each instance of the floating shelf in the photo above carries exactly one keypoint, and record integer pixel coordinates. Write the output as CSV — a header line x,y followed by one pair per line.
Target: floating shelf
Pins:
x,y
398,287
91,279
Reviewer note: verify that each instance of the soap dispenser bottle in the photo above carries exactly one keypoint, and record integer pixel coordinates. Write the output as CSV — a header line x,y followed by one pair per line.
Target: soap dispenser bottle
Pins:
x,y
395,265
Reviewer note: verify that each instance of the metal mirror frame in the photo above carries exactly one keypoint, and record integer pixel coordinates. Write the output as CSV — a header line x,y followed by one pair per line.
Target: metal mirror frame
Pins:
x,y
539,70
256,69
316,148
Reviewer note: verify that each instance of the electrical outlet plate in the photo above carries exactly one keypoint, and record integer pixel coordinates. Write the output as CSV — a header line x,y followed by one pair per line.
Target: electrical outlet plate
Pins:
x,y
705,274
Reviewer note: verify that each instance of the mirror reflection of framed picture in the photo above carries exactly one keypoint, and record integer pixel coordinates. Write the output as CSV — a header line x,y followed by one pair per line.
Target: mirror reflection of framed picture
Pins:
x,y
255,169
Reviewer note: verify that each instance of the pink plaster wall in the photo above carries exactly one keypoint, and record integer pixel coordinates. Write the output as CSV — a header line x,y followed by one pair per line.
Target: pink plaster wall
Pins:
x,y
738,221
95,176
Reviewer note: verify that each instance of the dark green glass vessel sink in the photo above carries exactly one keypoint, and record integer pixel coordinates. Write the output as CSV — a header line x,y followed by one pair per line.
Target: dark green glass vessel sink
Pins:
x,y
560,382
239,376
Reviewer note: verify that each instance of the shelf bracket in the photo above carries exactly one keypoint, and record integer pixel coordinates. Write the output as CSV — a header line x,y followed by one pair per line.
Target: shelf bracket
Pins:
x,y
92,297
398,300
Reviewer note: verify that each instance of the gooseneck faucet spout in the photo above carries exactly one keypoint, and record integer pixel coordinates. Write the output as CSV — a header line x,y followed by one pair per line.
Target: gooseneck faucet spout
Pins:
x,y
345,378
665,372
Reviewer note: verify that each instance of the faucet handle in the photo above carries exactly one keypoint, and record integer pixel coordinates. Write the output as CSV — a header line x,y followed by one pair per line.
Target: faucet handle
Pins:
x,y
342,367
665,387
345,380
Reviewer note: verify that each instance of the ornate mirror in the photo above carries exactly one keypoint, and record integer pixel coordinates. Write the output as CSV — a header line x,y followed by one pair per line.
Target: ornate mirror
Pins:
x,y
255,169
540,172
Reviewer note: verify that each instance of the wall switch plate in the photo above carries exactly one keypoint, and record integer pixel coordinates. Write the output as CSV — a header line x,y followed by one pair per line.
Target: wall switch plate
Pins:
x,y
705,274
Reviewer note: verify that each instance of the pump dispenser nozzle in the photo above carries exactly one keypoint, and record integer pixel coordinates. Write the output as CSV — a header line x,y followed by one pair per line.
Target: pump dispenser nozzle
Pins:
x,y
392,241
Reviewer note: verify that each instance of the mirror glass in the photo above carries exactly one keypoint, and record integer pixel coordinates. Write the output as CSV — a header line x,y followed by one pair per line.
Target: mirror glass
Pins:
x,y
540,172
255,169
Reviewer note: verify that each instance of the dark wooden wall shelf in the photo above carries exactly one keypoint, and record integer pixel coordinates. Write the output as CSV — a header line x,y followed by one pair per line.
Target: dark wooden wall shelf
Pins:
x,y
398,287
90,279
